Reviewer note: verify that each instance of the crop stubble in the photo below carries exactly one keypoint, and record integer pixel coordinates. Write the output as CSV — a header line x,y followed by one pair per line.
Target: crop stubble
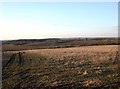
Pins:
x,y
79,67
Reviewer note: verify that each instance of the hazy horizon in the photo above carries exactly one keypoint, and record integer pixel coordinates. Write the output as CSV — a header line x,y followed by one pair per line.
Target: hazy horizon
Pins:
x,y
58,20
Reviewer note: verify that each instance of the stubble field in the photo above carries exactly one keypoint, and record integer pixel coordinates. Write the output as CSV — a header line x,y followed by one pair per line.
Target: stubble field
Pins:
x,y
64,68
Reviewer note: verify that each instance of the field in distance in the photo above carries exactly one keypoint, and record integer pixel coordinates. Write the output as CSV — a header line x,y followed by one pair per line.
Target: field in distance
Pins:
x,y
74,68
52,43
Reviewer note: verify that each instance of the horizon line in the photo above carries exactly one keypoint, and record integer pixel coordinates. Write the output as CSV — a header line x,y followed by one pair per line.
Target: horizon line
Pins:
x,y
55,38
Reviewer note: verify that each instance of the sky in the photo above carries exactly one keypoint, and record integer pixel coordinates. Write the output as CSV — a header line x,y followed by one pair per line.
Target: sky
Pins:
x,y
37,20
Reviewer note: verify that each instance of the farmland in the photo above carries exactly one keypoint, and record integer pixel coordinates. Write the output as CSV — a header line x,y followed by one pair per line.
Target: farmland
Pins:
x,y
62,68
25,44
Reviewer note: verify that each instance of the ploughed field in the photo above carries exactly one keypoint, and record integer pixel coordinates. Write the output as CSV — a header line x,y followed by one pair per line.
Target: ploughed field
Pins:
x,y
63,68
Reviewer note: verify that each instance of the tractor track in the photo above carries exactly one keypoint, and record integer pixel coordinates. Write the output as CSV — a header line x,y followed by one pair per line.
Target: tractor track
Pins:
x,y
10,61
13,59
21,58
16,60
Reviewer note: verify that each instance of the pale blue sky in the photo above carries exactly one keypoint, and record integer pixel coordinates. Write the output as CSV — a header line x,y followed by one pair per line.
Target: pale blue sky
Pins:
x,y
50,20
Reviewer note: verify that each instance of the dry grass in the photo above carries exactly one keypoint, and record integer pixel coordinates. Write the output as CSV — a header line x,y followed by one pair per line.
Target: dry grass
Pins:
x,y
89,66
94,52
